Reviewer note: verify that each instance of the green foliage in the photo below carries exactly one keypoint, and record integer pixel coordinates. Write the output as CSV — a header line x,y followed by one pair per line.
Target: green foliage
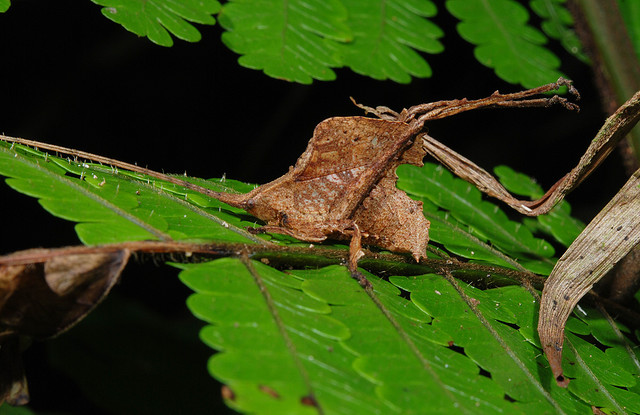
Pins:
x,y
156,18
15,410
4,5
112,208
293,40
305,40
557,25
386,36
558,223
301,41
471,215
505,42
291,342
315,333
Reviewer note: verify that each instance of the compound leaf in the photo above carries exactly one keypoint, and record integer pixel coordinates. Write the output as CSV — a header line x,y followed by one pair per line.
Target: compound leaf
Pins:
x,y
386,36
504,41
558,222
313,341
280,347
557,25
113,207
293,40
155,19
486,221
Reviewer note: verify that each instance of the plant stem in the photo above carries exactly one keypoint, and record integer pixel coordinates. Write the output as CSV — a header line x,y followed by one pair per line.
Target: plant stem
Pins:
x,y
616,66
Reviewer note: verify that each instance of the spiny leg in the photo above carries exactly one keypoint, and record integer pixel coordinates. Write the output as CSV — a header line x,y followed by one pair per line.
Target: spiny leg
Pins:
x,y
355,253
442,109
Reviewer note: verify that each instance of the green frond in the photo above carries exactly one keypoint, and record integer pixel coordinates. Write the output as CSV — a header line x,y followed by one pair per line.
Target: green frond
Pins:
x,y
111,207
292,40
303,40
557,23
156,19
279,345
558,222
386,36
505,42
482,219
313,341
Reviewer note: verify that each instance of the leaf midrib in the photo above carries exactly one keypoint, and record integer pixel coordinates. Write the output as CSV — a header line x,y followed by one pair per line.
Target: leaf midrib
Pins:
x,y
93,196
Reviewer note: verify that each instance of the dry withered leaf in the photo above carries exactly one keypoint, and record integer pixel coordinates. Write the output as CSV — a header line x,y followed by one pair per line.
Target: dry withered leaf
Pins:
x,y
604,242
346,176
613,130
607,239
42,295
345,182
42,299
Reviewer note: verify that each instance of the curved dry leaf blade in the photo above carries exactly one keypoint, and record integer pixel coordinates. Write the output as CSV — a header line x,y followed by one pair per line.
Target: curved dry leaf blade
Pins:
x,y
613,130
43,297
608,238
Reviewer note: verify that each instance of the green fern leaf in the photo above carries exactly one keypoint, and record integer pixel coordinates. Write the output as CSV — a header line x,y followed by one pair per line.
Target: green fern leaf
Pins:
x,y
516,307
505,42
4,5
295,40
15,410
385,35
299,355
557,25
155,19
558,223
113,207
630,11
459,240
485,220
315,337
307,339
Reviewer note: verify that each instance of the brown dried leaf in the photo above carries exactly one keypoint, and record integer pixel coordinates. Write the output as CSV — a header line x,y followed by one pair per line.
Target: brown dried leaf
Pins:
x,y
346,177
604,242
43,294
42,299
613,130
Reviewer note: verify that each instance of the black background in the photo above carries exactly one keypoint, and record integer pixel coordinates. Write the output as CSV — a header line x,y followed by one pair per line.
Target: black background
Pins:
x,y
69,76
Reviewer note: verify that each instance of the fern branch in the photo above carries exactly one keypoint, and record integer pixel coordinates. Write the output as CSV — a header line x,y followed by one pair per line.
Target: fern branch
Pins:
x,y
500,340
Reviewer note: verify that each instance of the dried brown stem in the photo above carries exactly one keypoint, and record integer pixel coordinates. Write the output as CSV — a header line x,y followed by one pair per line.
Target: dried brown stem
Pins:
x,y
613,130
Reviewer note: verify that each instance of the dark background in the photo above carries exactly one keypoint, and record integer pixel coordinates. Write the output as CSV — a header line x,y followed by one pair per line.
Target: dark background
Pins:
x,y
69,76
